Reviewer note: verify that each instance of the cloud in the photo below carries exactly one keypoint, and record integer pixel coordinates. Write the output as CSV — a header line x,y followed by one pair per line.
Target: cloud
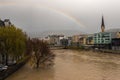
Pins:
x,y
41,15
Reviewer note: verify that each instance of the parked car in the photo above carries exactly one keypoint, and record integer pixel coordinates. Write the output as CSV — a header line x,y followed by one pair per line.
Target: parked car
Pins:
x,y
3,67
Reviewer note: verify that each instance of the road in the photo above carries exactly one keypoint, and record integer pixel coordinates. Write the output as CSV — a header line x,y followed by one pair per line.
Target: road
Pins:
x,y
74,65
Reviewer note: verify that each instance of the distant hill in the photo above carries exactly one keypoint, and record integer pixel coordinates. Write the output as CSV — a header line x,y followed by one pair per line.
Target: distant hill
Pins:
x,y
58,32
113,30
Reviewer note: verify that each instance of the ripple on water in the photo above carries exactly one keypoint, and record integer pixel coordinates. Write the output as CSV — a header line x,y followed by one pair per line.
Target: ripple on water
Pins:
x,y
74,65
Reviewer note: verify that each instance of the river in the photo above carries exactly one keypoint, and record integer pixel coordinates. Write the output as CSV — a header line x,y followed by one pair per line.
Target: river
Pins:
x,y
74,65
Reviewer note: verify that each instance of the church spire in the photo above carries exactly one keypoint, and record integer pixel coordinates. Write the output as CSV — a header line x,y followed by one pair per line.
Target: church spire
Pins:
x,y
102,25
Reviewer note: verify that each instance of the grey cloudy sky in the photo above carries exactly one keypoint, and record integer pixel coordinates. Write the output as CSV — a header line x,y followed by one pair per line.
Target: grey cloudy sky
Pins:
x,y
42,15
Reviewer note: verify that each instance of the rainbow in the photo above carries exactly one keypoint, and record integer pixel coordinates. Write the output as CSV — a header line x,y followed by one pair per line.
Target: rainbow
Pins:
x,y
65,14
60,12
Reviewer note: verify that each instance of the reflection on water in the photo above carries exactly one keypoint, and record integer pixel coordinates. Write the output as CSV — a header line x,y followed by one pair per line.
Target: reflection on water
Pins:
x,y
74,65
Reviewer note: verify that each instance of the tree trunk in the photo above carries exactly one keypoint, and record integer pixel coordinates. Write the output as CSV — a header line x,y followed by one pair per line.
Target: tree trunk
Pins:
x,y
37,64
3,58
6,59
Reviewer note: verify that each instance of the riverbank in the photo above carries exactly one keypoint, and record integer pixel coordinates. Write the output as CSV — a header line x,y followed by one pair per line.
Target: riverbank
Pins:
x,y
95,50
13,68
108,51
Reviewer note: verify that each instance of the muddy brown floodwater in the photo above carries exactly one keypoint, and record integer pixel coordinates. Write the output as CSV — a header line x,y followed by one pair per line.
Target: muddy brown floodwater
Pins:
x,y
74,65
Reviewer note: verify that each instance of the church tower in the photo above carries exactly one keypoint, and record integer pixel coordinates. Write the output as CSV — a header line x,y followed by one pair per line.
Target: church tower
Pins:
x,y
102,25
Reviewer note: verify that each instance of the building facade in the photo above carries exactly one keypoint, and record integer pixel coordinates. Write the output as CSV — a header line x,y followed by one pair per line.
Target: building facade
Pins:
x,y
102,40
89,39
107,40
5,23
83,39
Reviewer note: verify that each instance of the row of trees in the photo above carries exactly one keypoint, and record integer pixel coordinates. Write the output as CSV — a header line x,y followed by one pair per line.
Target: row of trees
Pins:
x,y
15,45
12,43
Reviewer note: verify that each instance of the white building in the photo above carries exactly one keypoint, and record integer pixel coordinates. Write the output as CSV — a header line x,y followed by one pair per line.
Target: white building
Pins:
x,y
7,22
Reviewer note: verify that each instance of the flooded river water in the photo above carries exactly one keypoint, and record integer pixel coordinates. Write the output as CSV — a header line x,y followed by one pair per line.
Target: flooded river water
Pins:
x,y
74,65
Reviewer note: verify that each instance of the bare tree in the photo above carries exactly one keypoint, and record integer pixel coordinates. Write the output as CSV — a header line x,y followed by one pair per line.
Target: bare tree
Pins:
x,y
41,52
